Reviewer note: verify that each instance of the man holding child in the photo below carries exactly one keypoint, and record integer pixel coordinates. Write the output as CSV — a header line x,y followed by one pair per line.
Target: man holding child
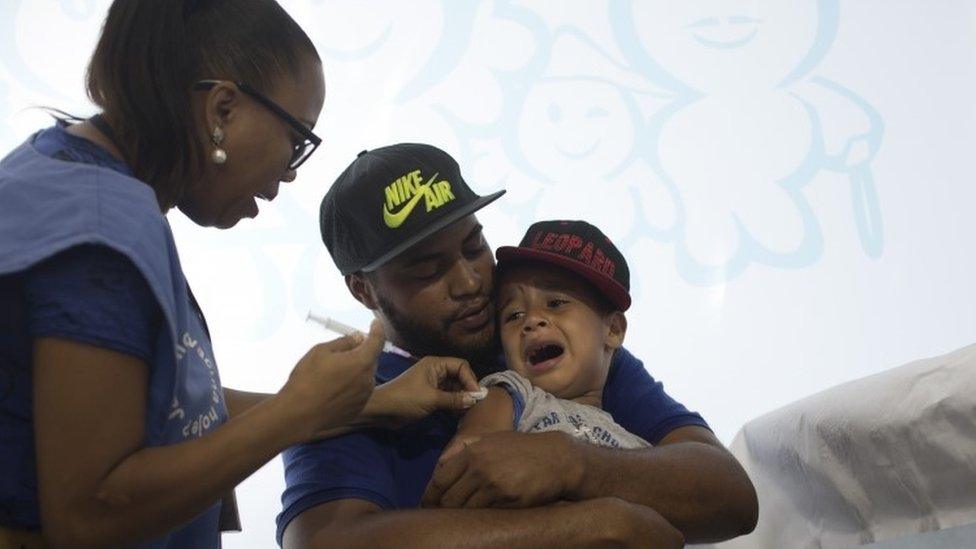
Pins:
x,y
400,225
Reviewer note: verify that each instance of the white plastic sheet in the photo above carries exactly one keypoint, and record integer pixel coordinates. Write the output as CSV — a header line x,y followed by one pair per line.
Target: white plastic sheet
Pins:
x,y
882,457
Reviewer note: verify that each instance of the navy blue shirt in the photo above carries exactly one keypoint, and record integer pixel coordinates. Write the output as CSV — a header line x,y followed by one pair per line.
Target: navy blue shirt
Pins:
x,y
90,294
391,468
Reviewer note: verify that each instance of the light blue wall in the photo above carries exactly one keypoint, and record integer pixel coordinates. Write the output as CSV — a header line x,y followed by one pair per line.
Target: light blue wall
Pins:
x,y
791,181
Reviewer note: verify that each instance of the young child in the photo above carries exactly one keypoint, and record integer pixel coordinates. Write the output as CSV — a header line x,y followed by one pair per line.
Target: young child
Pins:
x,y
560,301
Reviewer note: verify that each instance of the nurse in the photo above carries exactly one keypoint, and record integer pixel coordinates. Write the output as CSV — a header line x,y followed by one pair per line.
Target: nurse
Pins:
x,y
114,427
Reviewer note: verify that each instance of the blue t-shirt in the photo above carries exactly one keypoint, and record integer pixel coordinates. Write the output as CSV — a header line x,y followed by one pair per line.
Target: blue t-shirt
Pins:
x,y
86,255
90,294
391,468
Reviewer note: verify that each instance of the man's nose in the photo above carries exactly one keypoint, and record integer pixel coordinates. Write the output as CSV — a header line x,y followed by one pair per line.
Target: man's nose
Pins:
x,y
289,176
465,279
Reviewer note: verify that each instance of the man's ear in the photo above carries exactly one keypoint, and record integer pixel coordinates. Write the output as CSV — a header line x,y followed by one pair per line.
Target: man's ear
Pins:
x,y
616,329
362,290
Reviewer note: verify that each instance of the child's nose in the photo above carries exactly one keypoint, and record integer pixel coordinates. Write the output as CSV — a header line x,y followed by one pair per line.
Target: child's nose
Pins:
x,y
534,321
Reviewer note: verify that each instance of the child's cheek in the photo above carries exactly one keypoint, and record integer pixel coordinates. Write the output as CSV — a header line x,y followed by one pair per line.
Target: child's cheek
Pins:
x,y
515,363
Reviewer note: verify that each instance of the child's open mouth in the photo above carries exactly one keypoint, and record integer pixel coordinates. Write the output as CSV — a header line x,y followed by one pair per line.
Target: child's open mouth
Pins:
x,y
544,356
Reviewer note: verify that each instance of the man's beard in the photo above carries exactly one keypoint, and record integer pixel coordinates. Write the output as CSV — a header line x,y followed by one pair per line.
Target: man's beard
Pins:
x,y
423,340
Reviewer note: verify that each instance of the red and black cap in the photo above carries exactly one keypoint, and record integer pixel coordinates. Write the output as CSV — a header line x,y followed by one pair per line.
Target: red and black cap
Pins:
x,y
391,198
578,247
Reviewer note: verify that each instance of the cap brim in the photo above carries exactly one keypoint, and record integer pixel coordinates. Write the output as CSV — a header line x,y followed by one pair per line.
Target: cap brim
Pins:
x,y
613,290
432,228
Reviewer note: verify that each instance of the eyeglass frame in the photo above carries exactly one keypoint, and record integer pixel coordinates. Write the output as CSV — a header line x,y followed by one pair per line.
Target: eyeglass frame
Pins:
x,y
310,137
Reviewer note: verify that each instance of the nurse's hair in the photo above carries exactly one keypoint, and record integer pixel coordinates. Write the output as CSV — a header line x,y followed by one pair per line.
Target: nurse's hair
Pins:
x,y
150,54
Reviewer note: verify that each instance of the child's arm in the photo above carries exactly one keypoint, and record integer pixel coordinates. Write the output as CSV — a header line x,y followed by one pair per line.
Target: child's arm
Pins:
x,y
493,414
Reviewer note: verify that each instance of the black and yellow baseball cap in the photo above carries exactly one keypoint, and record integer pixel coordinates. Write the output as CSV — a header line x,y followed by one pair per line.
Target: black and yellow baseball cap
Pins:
x,y
391,198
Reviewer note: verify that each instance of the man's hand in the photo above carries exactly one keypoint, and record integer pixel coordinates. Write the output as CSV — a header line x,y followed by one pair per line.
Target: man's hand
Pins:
x,y
508,470
457,444
634,525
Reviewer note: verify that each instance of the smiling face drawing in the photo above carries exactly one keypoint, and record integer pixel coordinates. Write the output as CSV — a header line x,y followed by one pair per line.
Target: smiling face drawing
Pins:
x,y
734,32
571,129
722,46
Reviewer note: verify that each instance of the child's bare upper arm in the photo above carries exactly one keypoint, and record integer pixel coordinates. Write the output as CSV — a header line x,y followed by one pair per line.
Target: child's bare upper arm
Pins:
x,y
496,412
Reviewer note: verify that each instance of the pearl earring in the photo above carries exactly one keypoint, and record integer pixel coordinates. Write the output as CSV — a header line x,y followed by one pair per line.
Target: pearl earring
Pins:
x,y
218,156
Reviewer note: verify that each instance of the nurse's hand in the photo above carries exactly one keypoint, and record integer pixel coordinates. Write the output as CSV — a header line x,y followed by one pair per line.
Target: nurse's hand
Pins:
x,y
433,383
333,381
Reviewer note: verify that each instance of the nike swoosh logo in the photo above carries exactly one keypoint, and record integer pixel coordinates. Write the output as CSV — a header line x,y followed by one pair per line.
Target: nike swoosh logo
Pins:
x,y
394,220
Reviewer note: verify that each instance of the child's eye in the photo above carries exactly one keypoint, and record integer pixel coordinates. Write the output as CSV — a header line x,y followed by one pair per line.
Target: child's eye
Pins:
x,y
556,302
513,315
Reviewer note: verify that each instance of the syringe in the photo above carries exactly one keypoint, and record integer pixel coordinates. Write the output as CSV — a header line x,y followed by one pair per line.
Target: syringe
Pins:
x,y
335,326
340,328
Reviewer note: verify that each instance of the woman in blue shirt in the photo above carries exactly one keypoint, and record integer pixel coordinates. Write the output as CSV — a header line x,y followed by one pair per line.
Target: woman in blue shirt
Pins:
x,y
114,427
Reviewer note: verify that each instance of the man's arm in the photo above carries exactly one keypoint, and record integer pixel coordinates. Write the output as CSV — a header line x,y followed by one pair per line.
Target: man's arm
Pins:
x,y
689,478
353,523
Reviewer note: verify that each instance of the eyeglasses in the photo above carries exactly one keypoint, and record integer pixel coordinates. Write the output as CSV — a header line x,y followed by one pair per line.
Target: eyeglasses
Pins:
x,y
300,151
